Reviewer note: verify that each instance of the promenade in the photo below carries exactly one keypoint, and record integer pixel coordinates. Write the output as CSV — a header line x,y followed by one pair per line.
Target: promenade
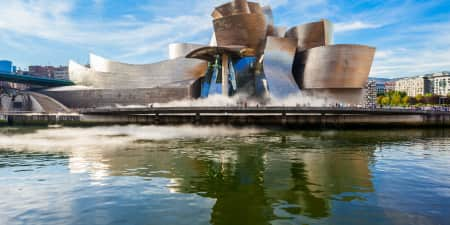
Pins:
x,y
262,110
291,117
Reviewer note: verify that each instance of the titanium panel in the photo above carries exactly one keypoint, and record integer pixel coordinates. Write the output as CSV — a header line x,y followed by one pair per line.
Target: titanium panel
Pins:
x,y
335,66
312,34
244,29
255,8
236,7
109,74
267,10
210,53
240,6
278,32
278,60
101,64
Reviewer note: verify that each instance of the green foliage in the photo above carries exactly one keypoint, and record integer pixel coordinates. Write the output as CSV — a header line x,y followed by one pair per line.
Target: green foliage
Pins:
x,y
419,98
385,101
397,98
379,98
405,100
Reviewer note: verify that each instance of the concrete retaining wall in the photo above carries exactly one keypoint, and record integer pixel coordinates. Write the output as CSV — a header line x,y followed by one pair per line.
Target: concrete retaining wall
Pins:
x,y
292,121
299,121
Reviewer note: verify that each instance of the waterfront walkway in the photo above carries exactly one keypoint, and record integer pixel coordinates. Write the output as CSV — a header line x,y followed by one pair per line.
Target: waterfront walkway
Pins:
x,y
294,117
261,110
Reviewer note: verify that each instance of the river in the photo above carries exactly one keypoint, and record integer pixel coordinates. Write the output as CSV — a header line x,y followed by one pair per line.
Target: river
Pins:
x,y
223,175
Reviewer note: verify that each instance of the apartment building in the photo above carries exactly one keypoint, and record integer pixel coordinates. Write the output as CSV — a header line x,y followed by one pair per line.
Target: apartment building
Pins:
x,y
413,86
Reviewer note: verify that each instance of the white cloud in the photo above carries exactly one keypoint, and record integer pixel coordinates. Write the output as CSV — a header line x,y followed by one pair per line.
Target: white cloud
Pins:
x,y
426,50
50,20
383,54
352,26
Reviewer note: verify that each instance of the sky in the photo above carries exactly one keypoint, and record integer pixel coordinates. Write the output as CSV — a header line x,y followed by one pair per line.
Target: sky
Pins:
x,y
411,37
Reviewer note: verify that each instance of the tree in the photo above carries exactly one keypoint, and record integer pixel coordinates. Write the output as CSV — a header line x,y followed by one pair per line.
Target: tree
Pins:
x,y
385,100
405,100
379,100
402,94
396,99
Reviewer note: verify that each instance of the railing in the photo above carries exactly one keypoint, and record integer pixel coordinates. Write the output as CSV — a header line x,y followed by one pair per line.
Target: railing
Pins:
x,y
258,110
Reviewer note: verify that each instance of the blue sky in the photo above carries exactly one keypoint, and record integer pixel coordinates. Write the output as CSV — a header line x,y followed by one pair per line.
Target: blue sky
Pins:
x,y
412,37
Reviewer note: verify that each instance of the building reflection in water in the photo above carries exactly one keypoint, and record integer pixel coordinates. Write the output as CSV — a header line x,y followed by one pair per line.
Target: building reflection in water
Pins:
x,y
252,179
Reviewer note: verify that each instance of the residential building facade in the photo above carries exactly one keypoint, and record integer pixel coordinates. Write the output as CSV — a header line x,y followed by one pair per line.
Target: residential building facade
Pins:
x,y
61,72
413,86
371,94
441,83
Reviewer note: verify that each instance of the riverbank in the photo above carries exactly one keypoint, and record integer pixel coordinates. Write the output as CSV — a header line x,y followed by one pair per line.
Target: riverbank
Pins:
x,y
290,117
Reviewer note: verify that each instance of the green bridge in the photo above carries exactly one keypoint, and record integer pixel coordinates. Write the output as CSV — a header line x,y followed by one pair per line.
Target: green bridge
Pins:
x,y
26,79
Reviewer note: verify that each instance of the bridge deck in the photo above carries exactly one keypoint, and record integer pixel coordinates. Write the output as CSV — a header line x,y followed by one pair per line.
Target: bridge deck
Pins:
x,y
25,79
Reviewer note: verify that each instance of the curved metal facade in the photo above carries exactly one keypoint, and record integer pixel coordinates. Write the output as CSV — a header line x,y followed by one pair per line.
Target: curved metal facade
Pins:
x,y
312,35
109,74
336,66
243,29
164,82
278,60
267,10
236,7
163,72
209,53
278,32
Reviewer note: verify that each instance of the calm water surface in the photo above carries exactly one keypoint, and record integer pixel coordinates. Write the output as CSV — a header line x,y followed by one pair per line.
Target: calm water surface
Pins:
x,y
218,175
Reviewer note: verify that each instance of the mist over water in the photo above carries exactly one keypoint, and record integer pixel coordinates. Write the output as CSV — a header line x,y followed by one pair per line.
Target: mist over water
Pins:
x,y
241,100
109,137
303,100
